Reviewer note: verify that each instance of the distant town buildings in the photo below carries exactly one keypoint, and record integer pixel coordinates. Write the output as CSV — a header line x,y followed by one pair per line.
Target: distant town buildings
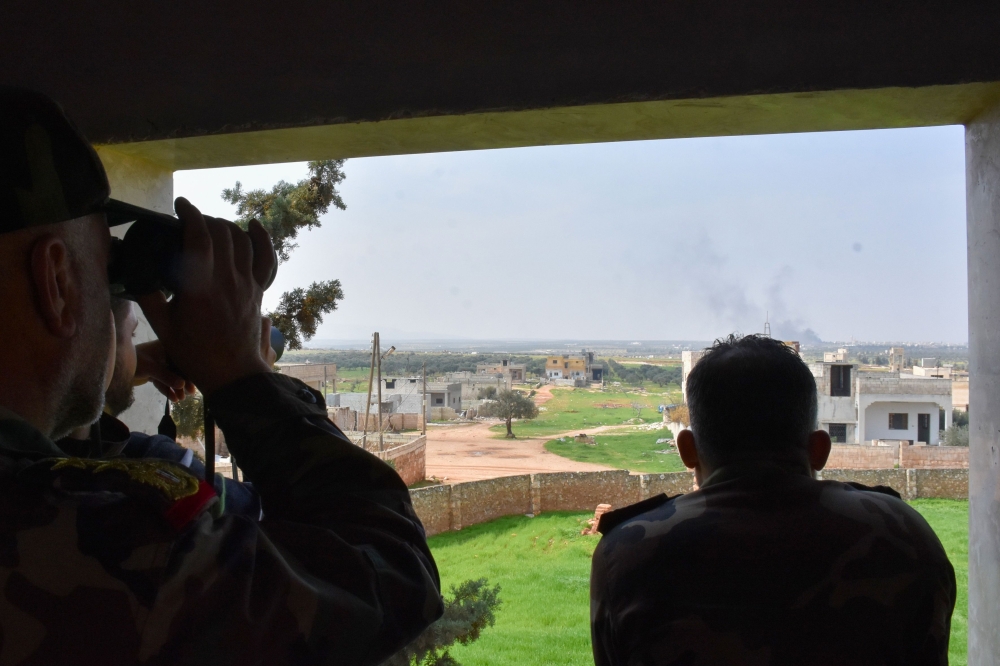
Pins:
x,y
504,368
574,366
839,356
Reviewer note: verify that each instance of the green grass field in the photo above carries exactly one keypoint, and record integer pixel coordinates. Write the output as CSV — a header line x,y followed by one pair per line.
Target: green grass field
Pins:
x,y
950,520
577,409
636,451
542,565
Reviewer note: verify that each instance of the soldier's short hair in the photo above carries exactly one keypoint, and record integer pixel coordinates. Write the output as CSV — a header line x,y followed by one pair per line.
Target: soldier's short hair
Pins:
x,y
751,397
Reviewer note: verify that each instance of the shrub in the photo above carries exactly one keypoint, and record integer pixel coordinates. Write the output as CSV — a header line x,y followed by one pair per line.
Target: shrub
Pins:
x,y
471,609
957,436
680,415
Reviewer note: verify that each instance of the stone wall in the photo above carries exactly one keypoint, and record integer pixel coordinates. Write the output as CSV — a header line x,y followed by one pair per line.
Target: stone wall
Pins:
x,y
894,478
480,502
576,491
944,483
433,506
452,507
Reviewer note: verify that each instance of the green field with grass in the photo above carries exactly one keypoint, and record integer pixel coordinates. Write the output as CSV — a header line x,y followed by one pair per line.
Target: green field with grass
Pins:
x,y
636,451
542,565
950,520
578,409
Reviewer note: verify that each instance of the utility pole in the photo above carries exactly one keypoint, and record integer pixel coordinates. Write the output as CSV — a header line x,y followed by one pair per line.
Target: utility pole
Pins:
x,y
378,352
368,401
423,401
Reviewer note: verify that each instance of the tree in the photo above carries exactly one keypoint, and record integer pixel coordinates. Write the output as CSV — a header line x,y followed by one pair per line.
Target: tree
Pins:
x,y
471,609
514,405
284,211
189,415
288,208
488,393
300,311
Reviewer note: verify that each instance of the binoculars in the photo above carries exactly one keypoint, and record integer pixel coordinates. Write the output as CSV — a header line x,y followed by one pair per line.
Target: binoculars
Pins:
x,y
148,258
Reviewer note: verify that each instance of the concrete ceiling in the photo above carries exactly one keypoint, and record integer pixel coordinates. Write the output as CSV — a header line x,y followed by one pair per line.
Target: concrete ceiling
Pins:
x,y
296,79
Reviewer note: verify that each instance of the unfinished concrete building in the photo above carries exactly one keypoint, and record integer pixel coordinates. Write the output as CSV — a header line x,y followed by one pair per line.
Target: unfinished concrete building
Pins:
x,y
578,366
871,407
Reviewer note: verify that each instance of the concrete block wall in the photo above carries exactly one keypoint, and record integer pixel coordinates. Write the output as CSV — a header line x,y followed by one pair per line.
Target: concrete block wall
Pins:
x,y
452,507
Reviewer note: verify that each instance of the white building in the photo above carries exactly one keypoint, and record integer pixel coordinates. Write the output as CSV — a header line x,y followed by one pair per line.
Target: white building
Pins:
x,y
862,408
689,359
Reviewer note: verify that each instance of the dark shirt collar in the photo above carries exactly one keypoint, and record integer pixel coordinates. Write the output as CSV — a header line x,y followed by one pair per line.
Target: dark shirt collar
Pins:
x,y
18,438
756,468
108,437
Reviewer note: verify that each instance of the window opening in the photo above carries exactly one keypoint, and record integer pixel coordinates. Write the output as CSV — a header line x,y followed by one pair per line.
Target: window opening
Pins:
x,y
838,433
899,421
840,381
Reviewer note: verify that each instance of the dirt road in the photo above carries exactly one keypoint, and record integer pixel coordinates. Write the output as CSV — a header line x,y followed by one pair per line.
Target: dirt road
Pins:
x,y
469,453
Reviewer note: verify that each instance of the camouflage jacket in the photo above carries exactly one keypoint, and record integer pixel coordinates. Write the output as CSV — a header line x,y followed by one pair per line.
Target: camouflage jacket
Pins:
x,y
124,561
766,566
115,440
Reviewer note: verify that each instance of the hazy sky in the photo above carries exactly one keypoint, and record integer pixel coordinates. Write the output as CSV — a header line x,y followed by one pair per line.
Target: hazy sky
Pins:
x,y
845,233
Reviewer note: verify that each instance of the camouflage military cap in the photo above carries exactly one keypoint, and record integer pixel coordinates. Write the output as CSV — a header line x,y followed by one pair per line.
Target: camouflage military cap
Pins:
x,y
48,170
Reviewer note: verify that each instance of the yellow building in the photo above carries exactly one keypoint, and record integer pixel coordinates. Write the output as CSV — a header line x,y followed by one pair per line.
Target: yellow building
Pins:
x,y
573,366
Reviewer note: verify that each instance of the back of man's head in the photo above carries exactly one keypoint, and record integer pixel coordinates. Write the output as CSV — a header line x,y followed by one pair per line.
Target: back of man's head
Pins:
x,y
54,253
751,397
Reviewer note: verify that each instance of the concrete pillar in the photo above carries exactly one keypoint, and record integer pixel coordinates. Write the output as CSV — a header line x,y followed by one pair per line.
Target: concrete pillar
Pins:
x,y
146,184
982,159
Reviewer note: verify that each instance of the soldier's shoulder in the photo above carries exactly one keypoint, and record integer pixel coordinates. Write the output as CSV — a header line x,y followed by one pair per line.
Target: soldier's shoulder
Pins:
x,y
161,486
613,519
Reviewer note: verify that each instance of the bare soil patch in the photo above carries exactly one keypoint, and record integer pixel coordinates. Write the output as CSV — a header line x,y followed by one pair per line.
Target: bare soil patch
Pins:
x,y
470,453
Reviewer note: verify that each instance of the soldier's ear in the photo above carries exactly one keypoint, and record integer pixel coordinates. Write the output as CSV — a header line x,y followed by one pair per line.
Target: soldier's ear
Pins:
x,y
56,289
819,449
686,448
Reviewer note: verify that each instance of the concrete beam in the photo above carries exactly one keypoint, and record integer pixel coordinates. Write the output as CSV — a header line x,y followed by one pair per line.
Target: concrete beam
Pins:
x,y
152,70
982,154
635,121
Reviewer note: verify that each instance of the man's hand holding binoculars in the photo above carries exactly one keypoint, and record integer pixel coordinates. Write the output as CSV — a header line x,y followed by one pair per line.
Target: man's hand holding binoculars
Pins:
x,y
211,329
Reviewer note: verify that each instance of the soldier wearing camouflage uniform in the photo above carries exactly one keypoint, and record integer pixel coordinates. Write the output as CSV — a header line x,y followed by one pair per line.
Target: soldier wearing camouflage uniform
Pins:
x,y
127,560
764,564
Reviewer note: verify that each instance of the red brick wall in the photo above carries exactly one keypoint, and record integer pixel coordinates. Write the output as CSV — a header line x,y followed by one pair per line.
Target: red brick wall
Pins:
x,y
409,460
863,457
935,457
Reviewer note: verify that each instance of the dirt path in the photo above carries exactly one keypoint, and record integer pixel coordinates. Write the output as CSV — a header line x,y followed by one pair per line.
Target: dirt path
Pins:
x,y
469,453
543,394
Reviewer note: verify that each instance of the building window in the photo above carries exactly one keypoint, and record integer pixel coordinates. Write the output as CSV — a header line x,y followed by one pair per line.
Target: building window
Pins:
x,y
438,401
840,381
390,383
566,365
899,421
838,433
